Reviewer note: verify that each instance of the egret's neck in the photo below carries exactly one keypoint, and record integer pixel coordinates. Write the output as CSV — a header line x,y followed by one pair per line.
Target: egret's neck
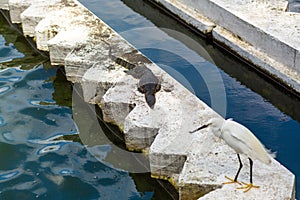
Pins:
x,y
218,127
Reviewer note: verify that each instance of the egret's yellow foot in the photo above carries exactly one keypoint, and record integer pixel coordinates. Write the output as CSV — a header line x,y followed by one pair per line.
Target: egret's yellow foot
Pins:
x,y
247,186
231,181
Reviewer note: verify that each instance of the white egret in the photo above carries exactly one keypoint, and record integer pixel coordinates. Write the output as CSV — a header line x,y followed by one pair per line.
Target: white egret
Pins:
x,y
242,140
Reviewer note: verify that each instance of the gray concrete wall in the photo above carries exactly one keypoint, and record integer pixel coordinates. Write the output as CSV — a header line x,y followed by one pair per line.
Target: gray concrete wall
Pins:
x,y
261,32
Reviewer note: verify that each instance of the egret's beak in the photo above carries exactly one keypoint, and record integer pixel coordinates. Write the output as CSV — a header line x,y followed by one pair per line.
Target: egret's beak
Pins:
x,y
201,127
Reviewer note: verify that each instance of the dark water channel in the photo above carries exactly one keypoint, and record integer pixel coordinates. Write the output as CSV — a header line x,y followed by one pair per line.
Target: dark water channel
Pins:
x,y
42,155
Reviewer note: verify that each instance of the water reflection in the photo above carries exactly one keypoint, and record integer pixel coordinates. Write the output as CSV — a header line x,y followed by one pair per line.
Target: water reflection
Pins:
x,y
8,136
50,148
8,175
8,52
4,89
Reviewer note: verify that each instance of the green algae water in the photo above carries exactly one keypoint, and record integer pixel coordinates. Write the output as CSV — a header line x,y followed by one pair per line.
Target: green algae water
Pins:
x,y
41,153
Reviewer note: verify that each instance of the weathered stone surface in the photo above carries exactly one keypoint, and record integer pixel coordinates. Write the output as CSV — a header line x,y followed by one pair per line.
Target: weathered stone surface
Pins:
x,y
16,7
35,12
190,15
98,79
81,58
63,43
4,4
141,126
173,141
50,26
211,159
119,101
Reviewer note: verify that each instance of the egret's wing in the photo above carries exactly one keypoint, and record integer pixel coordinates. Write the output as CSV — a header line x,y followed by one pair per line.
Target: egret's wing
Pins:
x,y
242,140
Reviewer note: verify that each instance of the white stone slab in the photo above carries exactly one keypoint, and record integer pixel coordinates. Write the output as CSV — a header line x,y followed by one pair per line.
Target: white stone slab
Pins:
x,y
16,7
172,144
98,79
81,58
264,25
4,4
141,126
63,43
211,159
119,101
32,16
51,25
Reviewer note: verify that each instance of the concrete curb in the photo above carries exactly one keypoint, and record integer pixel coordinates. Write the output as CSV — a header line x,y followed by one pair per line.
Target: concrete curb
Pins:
x,y
260,32
101,62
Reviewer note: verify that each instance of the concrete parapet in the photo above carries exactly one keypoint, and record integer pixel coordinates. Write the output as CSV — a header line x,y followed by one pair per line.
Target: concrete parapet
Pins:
x,y
190,15
110,71
273,68
273,32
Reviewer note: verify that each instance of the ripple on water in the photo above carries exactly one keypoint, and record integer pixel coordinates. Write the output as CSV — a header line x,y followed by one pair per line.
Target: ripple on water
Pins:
x,y
66,172
8,136
2,122
50,148
11,79
4,89
44,103
8,175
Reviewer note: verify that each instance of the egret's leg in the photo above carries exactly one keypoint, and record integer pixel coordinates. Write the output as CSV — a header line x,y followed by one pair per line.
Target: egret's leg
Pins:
x,y
237,174
247,187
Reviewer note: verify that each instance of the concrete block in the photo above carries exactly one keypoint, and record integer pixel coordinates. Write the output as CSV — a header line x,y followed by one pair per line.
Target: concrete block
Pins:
x,y
50,26
141,126
42,20
81,58
63,43
172,144
100,77
4,5
16,7
274,31
119,101
32,16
